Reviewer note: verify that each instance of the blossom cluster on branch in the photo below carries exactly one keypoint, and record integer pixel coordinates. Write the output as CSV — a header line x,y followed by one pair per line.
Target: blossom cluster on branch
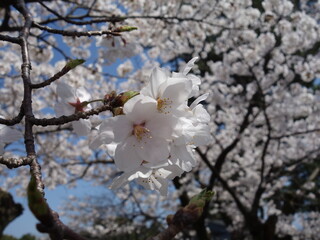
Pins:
x,y
154,139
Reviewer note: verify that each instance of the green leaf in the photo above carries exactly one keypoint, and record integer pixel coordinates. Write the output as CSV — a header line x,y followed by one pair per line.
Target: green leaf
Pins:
x,y
201,198
74,63
129,94
37,203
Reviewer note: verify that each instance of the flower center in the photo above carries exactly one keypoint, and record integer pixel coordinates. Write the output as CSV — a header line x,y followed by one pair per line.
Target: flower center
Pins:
x,y
163,104
152,178
78,105
140,131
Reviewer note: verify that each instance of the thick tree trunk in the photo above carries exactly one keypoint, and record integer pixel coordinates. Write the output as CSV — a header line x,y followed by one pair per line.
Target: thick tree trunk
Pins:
x,y
263,231
200,228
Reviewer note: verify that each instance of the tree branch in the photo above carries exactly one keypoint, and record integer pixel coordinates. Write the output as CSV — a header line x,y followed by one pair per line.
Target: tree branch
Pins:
x,y
15,120
76,33
16,162
7,38
55,77
66,119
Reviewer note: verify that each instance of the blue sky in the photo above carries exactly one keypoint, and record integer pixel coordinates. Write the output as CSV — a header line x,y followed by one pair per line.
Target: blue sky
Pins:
x,y
26,222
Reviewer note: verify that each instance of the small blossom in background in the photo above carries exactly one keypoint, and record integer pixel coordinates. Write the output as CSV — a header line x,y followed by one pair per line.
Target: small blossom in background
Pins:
x,y
154,139
125,68
8,135
72,101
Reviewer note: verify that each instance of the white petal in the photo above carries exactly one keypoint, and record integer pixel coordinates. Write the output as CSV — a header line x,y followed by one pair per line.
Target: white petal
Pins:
x,y
126,157
161,125
130,104
111,148
140,109
184,131
120,126
177,91
198,100
162,172
194,79
66,92
183,157
189,65
201,114
164,188
119,181
82,127
175,171
101,138
162,164
140,172
83,94
158,77
161,185
202,135
63,108
153,150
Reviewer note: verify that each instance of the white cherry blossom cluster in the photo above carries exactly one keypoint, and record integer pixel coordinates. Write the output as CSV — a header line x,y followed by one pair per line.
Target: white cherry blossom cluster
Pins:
x,y
154,139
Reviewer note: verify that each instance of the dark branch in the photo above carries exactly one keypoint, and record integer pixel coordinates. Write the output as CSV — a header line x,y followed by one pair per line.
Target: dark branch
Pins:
x,y
47,82
66,119
16,162
9,39
15,120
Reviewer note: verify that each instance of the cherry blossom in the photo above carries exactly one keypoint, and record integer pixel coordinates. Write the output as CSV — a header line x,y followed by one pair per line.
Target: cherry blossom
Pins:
x,y
150,176
72,101
191,77
141,133
169,93
157,127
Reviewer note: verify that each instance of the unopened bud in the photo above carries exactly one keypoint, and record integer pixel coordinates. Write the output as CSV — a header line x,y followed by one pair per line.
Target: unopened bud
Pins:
x,y
109,97
201,198
36,201
122,98
74,63
125,28
117,111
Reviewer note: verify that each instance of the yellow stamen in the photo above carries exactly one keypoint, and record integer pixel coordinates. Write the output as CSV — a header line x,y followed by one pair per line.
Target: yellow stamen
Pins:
x,y
140,131
163,104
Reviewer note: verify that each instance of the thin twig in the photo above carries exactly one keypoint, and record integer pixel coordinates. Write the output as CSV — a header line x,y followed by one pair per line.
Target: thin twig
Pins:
x,y
55,77
66,119
15,120
76,33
